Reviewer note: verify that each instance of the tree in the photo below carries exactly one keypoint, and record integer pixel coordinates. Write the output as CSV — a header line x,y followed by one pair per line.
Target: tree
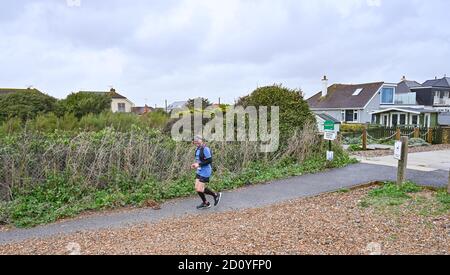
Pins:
x,y
205,103
83,103
294,110
26,105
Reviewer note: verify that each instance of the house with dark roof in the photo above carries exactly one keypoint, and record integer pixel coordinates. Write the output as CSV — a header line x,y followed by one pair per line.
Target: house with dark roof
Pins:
x,y
7,91
382,103
405,86
351,103
434,93
418,105
119,103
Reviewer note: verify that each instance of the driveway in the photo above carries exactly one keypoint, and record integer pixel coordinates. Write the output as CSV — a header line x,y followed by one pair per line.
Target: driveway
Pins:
x,y
426,161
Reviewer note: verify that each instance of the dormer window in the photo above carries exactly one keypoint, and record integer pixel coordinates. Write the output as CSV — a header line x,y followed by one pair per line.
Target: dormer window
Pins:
x,y
387,96
357,92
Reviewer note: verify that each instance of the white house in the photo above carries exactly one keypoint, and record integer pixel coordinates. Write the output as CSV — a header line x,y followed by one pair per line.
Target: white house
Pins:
x,y
119,103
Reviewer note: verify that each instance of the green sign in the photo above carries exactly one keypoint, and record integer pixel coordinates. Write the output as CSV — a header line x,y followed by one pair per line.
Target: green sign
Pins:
x,y
329,125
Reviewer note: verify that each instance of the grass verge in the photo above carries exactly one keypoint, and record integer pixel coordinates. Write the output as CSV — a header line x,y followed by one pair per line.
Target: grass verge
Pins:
x,y
393,198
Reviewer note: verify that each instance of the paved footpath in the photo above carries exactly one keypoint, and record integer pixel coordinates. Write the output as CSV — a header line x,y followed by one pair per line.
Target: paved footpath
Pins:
x,y
244,198
424,161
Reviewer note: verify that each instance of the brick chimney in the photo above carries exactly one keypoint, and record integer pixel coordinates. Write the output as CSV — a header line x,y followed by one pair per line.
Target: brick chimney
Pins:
x,y
324,86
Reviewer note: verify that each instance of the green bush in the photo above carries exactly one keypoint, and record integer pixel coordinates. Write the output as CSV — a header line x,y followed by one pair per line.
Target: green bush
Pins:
x,y
352,128
155,120
294,110
12,125
354,148
83,103
49,123
26,105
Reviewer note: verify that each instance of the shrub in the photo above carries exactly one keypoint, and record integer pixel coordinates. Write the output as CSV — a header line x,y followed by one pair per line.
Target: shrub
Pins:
x,y
84,103
11,125
26,105
294,110
352,128
155,120
49,123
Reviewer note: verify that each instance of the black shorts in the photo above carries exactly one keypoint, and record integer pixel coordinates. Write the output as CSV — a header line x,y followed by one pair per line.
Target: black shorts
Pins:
x,y
202,179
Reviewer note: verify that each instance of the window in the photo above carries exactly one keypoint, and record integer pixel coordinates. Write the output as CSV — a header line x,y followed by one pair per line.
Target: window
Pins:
x,y
386,120
343,116
121,107
357,92
387,96
415,120
403,119
350,116
394,120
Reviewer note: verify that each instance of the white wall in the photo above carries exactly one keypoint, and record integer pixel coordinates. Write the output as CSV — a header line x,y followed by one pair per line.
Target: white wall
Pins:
x,y
115,105
373,106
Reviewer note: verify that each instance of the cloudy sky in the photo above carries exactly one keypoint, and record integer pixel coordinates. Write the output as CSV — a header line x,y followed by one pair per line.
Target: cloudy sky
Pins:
x,y
152,50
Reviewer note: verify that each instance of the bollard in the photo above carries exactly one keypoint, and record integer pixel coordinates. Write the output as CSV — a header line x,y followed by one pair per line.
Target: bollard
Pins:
x,y
448,189
364,140
403,162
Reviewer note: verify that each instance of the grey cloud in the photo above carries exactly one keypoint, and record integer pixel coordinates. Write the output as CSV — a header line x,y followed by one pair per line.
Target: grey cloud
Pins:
x,y
173,50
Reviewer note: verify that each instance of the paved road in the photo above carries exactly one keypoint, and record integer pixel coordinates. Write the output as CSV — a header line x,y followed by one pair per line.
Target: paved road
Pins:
x,y
425,161
249,197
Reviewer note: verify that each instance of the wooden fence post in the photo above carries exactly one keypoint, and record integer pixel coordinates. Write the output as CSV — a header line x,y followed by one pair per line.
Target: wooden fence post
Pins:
x,y
448,188
430,136
416,133
364,140
398,135
403,162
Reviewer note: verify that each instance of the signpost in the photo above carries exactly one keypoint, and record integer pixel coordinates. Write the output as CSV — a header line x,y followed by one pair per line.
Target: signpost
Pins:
x,y
398,150
330,135
328,126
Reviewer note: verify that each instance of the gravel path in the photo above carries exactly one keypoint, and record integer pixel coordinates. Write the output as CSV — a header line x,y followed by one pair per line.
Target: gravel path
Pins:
x,y
245,198
382,153
327,224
